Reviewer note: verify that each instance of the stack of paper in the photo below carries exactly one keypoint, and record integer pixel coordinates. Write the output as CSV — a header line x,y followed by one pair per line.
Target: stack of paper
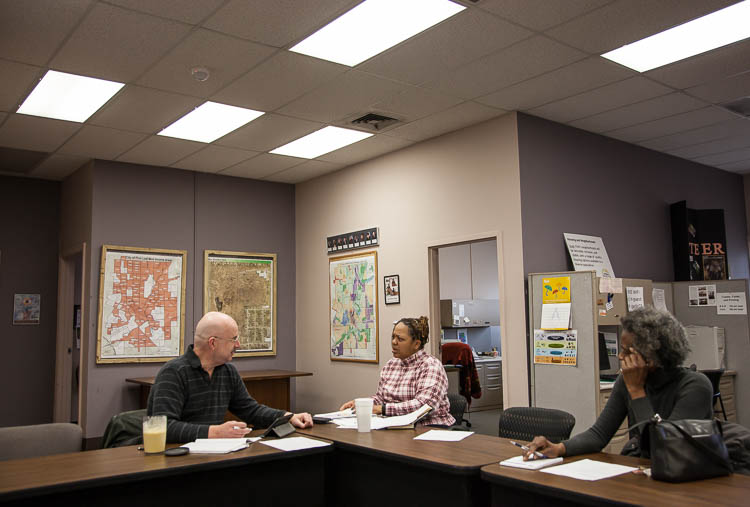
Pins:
x,y
532,464
295,443
217,445
590,470
337,415
379,423
444,435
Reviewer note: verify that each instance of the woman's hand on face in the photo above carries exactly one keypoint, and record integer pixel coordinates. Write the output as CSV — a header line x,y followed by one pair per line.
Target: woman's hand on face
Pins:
x,y
634,373
348,404
541,444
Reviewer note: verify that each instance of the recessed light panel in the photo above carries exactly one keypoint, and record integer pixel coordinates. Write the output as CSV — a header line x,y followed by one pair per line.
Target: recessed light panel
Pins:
x,y
374,26
68,97
321,142
210,121
692,38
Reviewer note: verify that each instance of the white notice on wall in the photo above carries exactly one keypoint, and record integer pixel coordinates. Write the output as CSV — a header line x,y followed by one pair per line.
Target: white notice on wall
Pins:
x,y
556,316
635,298
610,285
731,303
659,301
702,295
588,254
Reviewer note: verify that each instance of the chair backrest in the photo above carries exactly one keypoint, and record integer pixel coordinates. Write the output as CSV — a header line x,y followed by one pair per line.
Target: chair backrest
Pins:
x,y
457,406
18,442
524,423
125,428
715,377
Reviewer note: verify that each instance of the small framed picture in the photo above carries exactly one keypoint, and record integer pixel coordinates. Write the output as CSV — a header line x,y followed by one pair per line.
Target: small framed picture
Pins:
x,y
462,335
392,290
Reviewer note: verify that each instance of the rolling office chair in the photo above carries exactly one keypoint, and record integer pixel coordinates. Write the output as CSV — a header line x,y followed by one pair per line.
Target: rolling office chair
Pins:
x,y
19,442
457,409
125,428
524,423
715,377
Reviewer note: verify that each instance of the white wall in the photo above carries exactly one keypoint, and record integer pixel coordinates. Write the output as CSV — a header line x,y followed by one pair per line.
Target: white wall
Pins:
x,y
461,186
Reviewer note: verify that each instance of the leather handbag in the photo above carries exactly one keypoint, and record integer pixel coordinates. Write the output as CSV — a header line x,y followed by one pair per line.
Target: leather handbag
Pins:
x,y
685,450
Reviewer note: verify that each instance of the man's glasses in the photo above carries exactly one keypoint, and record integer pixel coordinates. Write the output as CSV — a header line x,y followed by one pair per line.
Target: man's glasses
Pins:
x,y
235,339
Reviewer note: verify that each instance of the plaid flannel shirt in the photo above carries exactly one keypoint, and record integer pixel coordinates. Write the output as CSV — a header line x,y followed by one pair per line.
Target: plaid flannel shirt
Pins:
x,y
407,384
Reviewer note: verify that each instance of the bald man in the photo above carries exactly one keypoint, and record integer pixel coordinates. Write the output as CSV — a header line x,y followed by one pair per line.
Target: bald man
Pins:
x,y
195,390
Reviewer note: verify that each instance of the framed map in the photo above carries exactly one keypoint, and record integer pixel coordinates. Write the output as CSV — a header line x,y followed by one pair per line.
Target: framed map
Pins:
x,y
243,285
353,290
141,305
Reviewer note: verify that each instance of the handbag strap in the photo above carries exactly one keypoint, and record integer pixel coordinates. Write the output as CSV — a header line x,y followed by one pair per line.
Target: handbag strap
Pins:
x,y
718,459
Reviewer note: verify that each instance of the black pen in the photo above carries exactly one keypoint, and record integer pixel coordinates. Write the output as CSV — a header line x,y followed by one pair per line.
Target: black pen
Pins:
x,y
525,448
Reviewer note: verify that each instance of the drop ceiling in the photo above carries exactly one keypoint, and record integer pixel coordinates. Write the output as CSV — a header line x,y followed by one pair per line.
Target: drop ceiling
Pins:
x,y
536,56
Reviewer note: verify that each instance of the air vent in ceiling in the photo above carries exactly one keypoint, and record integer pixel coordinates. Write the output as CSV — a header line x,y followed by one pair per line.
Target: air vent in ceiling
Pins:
x,y
373,122
739,106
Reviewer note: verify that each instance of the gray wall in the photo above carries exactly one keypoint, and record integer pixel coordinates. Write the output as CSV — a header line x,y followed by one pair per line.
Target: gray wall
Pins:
x,y
29,220
579,182
159,207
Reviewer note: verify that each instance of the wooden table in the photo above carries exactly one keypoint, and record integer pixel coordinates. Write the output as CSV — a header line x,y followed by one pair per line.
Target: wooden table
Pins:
x,y
514,486
258,475
269,387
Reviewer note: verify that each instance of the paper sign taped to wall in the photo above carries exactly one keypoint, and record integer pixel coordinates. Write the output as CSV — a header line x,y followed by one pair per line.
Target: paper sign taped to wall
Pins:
x,y
731,303
635,298
556,316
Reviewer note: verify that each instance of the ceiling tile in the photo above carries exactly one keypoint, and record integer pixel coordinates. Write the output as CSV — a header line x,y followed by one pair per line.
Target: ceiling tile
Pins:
x,y
365,150
414,103
725,90
35,133
268,132
353,92
717,64
213,159
602,99
303,172
15,161
225,57
159,150
279,80
648,110
709,115
467,36
18,81
58,167
446,121
741,167
143,110
734,142
626,21
187,11
528,58
726,157
31,32
262,166
100,142
699,135
276,23
569,80
117,44
540,14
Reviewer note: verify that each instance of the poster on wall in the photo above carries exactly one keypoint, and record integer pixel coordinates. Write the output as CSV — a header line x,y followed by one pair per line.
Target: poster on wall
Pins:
x,y
243,285
141,304
26,309
353,307
392,289
588,254
699,242
702,295
556,347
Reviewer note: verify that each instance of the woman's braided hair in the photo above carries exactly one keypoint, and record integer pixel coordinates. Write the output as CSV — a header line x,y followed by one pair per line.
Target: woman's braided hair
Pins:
x,y
419,329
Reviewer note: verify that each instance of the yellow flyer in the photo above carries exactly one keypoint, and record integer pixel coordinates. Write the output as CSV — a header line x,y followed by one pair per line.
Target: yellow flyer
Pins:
x,y
556,290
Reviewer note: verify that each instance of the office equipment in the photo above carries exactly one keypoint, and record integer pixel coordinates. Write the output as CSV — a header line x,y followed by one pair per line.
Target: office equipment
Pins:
x,y
524,423
707,347
39,440
532,464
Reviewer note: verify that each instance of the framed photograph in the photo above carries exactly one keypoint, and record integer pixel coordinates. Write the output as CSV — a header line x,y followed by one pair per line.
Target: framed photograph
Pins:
x,y
353,307
462,335
141,305
243,285
392,290
26,309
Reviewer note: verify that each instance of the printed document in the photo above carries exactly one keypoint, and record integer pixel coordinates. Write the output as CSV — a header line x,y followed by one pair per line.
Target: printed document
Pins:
x,y
532,464
444,435
589,470
294,443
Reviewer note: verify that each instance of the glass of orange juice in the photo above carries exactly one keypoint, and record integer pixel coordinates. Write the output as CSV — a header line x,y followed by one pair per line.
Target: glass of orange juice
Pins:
x,y
154,433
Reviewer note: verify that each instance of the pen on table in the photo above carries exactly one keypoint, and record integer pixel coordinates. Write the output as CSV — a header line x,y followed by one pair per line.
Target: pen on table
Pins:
x,y
525,448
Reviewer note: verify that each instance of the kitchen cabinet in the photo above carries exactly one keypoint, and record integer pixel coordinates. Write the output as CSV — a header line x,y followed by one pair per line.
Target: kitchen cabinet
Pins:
x,y
469,271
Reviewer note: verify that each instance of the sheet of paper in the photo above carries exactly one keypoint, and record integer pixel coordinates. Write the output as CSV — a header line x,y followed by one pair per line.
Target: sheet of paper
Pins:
x,y
702,295
444,435
660,302
216,445
556,290
556,316
610,285
532,464
338,414
556,347
731,303
635,298
379,423
589,470
294,443
588,253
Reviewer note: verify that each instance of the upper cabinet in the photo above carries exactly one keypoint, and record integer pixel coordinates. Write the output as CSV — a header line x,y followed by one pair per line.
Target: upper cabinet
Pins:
x,y
469,271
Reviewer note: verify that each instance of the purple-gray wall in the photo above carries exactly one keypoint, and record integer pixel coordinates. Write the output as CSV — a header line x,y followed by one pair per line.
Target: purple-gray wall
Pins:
x,y
579,182
29,221
158,207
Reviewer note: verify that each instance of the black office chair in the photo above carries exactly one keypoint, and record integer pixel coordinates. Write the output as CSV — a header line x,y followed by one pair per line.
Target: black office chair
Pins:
x,y
715,377
524,423
457,409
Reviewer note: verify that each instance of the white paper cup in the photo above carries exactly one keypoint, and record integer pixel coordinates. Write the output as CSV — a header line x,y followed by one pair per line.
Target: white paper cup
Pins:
x,y
363,407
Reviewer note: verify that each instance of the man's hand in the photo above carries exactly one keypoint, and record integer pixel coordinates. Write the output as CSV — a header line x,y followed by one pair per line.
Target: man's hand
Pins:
x,y
302,420
634,373
348,404
230,429
541,444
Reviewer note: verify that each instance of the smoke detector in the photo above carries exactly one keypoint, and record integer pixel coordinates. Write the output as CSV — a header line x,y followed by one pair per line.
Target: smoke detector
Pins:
x,y
200,74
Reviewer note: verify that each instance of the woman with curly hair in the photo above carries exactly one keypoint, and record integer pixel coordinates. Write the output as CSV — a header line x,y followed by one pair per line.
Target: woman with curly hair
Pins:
x,y
412,378
653,346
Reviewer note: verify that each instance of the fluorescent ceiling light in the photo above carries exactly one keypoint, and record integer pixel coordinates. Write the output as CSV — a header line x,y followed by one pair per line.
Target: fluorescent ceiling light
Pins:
x,y
210,121
320,142
374,26
68,97
692,38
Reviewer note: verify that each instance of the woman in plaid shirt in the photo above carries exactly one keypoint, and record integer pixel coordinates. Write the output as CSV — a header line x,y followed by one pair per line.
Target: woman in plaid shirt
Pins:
x,y
412,378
